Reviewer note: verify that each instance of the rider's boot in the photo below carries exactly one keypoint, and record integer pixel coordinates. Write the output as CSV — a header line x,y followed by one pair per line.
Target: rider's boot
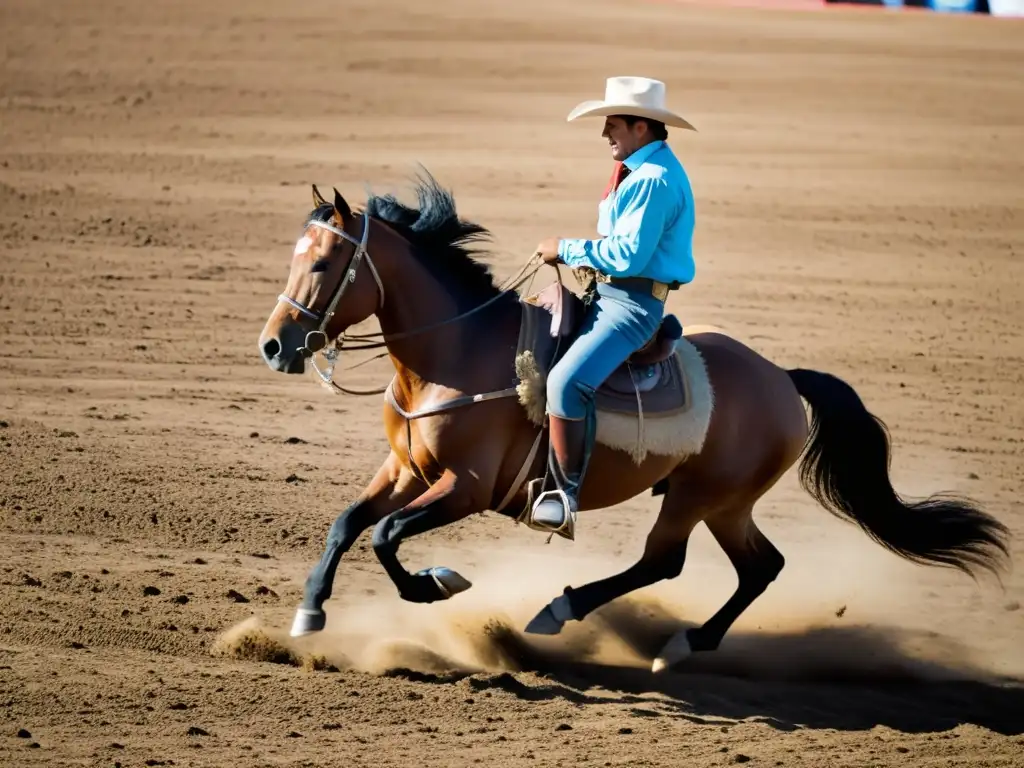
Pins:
x,y
570,445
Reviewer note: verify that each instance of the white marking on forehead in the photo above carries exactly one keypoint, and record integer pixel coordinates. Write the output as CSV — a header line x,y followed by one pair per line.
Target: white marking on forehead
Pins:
x,y
303,245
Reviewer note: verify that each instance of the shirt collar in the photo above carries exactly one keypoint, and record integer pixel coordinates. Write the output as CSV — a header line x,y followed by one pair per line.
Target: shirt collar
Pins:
x,y
641,156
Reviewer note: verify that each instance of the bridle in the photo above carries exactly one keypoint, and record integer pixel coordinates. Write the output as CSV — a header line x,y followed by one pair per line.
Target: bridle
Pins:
x,y
317,340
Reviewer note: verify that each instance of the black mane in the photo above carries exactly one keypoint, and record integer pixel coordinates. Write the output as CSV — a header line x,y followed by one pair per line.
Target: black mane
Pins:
x,y
441,240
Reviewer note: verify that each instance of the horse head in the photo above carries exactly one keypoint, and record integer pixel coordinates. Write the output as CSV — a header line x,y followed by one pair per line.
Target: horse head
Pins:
x,y
333,284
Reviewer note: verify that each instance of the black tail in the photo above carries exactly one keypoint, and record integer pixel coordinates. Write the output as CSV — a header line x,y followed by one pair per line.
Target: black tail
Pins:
x,y
846,468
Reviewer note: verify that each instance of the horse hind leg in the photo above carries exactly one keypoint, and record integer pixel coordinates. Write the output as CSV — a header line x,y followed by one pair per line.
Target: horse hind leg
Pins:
x,y
660,488
757,563
663,558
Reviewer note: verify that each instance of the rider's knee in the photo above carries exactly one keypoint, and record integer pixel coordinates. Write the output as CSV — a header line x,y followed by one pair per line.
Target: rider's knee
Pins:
x,y
562,396
558,381
567,398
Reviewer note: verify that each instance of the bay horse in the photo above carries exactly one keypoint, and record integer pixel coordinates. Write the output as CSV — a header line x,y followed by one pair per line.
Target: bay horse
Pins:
x,y
461,443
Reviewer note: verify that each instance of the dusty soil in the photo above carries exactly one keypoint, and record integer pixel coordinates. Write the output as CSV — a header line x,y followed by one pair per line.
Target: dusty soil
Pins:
x,y
861,211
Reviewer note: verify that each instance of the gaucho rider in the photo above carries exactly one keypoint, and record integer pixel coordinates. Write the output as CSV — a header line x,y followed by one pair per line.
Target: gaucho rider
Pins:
x,y
646,220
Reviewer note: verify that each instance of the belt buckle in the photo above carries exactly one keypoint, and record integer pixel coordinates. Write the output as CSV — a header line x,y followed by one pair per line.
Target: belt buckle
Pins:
x,y
659,290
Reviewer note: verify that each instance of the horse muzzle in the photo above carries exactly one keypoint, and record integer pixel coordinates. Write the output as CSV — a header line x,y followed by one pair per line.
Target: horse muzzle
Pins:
x,y
287,350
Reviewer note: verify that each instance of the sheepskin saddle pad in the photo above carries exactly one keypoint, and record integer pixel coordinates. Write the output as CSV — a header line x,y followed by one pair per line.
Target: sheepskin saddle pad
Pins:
x,y
659,401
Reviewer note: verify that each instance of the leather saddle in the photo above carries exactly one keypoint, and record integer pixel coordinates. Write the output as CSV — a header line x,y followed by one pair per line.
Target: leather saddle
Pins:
x,y
652,377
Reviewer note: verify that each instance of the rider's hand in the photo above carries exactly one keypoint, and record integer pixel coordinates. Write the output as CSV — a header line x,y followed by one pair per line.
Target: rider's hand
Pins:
x,y
548,250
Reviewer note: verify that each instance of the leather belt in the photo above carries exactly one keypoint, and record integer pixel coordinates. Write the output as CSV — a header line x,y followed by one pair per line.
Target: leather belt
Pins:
x,y
656,288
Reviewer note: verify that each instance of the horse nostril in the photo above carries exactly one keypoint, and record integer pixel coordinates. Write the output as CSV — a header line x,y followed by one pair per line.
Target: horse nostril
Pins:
x,y
271,349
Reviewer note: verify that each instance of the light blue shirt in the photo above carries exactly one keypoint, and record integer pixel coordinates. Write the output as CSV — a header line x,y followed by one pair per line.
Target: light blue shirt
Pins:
x,y
646,225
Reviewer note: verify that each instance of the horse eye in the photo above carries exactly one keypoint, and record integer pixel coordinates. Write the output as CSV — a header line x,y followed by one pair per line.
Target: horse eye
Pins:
x,y
321,265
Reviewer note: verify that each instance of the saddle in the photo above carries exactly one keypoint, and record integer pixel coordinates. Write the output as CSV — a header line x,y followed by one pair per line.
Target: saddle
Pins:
x,y
651,381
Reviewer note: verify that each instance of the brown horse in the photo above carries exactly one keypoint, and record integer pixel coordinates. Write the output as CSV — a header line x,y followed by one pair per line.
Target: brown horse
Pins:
x,y
462,443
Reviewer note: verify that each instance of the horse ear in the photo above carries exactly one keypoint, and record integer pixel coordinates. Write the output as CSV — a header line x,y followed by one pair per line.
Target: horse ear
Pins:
x,y
341,206
318,199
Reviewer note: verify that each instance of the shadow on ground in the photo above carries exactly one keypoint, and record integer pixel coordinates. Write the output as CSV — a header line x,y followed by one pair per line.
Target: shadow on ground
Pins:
x,y
843,678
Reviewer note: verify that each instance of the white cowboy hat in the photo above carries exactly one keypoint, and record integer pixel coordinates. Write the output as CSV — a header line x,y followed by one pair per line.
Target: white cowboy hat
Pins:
x,y
637,96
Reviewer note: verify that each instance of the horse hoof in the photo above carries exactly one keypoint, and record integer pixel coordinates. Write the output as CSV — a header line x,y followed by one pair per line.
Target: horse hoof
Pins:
x,y
448,581
552,618
544,623
675,650
307,622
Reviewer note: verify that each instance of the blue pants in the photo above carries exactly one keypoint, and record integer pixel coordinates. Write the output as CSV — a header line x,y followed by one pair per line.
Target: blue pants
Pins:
x,y
618,322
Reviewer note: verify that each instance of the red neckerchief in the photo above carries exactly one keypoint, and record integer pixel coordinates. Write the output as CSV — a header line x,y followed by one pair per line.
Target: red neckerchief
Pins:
x,y
619,172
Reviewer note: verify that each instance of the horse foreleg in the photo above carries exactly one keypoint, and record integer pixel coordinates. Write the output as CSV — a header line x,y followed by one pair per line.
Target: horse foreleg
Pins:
x,y
390,488
663,558
757,564
447,501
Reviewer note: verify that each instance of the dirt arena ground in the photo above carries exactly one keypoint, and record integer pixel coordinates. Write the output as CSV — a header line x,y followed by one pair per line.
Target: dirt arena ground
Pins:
x,y
163,494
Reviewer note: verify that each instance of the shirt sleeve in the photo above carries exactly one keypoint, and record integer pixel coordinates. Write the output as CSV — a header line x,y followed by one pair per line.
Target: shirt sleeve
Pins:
x,y
645,206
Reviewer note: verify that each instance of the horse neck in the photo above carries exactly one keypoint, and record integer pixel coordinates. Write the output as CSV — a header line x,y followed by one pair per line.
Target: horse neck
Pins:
x,y
465,354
